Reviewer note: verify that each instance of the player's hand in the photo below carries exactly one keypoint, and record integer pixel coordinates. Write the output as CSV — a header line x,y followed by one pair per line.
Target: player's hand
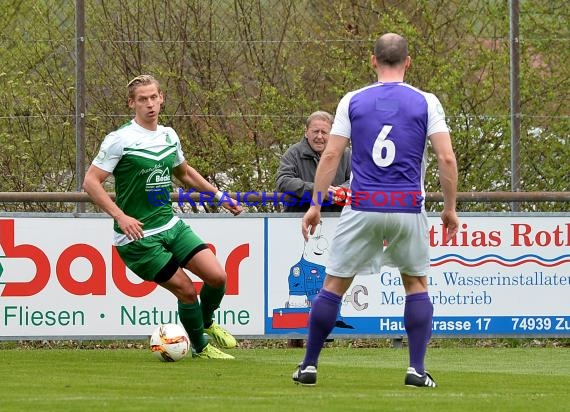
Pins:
x,y
234,208
310,221
130,226
450,223
331,193
341,195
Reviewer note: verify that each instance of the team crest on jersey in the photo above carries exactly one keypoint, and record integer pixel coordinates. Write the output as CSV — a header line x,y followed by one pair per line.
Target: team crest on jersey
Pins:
x,y
101,155
168,140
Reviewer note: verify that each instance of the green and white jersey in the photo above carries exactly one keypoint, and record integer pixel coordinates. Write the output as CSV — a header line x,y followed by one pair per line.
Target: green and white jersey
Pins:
x,y
142,161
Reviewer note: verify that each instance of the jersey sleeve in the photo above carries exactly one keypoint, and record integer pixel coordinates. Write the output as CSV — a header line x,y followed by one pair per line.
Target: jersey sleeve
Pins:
x,y
179,153
436,116
341,124
110,153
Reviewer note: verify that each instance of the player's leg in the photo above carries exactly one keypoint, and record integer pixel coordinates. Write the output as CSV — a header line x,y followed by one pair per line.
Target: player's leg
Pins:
x,y
206,266
189,309
408,250
149,259
355,247
418,315
323,316
191,317
197,257
322,319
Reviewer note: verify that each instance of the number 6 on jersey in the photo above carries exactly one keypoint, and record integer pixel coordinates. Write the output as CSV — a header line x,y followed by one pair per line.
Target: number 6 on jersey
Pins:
x,y
384,151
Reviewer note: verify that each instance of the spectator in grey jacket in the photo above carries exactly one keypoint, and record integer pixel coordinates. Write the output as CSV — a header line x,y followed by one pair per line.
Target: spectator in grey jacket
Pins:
x,y
298,165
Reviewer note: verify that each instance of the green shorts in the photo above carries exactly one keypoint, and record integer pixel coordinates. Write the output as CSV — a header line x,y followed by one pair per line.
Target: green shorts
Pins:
x,y
157,257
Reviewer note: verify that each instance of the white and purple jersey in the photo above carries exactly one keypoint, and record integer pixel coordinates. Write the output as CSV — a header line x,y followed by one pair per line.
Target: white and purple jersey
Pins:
x,y
388,124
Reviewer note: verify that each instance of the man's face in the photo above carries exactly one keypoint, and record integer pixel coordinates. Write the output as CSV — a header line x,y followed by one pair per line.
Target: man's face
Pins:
x,y
317,134
146,103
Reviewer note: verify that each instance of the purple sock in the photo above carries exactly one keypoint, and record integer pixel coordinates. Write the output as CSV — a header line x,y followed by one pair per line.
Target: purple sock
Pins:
x,y
418,315
322,319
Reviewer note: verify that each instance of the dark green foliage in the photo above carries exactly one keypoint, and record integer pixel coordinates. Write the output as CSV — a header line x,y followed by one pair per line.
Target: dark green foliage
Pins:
x,y
240,77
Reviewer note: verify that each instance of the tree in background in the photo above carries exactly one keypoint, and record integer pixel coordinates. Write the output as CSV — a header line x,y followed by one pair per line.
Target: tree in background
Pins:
x,y
241,76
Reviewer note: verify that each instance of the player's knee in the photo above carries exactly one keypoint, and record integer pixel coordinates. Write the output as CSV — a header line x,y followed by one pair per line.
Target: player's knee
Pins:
x,y
187,295
217,280
414,284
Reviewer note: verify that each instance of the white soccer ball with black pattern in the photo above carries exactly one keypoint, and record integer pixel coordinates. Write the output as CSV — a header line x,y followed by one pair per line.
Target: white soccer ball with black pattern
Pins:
x,y
169,342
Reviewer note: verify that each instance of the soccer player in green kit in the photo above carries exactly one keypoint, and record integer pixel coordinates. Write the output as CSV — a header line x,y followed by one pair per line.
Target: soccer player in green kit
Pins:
x,y
154,243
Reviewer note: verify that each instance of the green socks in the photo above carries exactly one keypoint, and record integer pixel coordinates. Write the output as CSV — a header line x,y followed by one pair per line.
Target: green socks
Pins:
x,y
210,299
191,318
195,316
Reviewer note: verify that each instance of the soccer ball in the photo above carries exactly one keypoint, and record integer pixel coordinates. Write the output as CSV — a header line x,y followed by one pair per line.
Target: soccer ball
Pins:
x,y
169,342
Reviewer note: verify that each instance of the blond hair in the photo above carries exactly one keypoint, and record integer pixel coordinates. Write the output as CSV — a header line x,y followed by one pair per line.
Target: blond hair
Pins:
x,y
142,80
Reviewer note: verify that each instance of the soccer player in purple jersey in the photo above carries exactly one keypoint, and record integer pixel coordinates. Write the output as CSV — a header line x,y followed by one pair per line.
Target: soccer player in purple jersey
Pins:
x,y
389,124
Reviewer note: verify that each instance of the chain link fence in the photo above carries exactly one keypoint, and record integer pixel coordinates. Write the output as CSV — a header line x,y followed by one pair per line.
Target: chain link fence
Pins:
x,y
241,76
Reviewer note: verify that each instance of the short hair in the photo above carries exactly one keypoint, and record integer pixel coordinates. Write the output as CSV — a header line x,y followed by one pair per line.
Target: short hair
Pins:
x,y
142,80
391,49
319,115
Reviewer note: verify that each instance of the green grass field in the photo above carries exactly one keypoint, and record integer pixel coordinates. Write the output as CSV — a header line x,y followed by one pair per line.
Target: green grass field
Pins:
x,y
350,379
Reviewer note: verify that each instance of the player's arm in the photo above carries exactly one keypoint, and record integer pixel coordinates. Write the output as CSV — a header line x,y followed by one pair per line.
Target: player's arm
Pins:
x,y
328,165
93,185
340,192
326,171
447,165
191,178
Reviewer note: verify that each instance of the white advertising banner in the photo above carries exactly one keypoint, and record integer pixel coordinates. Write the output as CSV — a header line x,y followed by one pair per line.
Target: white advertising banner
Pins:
x,y
62,277
503,275
500,276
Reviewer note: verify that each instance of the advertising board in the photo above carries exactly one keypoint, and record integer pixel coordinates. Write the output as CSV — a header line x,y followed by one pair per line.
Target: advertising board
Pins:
x,y
503,275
